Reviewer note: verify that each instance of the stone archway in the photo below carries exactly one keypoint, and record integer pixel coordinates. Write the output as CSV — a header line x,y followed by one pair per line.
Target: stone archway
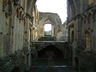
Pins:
x,y
50,49
48,21
49,18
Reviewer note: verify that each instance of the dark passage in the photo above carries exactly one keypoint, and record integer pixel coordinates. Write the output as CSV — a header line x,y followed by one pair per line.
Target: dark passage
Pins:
x,y
50,59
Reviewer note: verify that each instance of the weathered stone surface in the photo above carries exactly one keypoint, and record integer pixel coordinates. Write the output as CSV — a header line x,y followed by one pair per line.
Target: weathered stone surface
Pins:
x,y
3,30
15,30
82,35
8,63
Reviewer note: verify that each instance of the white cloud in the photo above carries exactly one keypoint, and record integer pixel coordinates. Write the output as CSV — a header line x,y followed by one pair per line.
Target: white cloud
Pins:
x,y
55,6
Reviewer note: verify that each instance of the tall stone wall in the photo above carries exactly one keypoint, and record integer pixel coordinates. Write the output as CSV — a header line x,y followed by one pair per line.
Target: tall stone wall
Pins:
x,y
15,28
83,44
3,30
18,34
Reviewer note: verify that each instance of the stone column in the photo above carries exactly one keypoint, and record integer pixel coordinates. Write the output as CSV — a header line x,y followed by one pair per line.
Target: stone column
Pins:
x,y
29,56
52,30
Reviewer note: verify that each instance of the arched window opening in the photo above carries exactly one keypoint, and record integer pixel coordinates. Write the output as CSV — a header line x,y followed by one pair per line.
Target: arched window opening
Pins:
x,y
72,36
91,1
88,40
48,30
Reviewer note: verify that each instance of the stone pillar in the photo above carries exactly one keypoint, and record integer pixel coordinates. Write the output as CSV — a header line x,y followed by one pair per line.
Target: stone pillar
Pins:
x,y
52,30
25,6
29,56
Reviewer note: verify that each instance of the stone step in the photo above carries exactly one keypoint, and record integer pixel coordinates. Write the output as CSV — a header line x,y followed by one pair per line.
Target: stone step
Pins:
x,y
51,62
60,68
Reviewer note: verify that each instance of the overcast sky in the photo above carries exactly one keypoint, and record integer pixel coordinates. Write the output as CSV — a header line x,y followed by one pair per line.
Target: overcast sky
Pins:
x,y
47,27
54,6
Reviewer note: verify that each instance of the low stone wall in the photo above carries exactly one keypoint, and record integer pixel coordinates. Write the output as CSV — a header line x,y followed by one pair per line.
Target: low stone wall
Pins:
x,y
47,39
87,62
